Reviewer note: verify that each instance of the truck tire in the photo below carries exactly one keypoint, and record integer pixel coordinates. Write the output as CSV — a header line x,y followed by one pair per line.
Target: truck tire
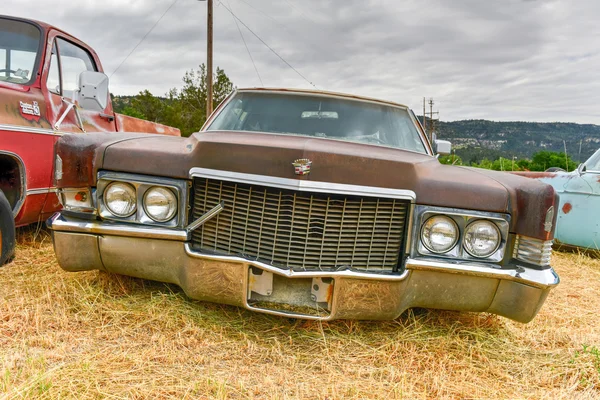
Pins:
x,y
7,231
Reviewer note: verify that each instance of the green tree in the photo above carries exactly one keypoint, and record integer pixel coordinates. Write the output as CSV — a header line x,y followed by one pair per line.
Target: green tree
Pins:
x,y
542,160
183,108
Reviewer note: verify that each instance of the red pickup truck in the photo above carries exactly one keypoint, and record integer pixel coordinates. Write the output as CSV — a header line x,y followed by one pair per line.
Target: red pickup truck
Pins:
x,y
51,84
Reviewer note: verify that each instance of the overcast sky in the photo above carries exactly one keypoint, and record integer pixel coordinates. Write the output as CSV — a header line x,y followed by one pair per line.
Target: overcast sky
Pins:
x,y
533,60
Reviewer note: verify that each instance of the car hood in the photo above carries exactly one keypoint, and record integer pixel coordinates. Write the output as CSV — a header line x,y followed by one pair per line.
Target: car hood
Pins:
x,y
336,162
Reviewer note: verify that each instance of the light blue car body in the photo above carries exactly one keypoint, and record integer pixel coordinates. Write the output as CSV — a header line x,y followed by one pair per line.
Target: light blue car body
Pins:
x,y
578,220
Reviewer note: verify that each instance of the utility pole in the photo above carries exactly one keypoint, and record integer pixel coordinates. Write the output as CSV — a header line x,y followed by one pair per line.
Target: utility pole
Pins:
x,y
209,59
431,114
424,117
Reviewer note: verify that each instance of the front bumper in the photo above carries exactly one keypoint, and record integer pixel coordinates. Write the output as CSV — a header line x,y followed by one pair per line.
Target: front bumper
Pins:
x,y
167,257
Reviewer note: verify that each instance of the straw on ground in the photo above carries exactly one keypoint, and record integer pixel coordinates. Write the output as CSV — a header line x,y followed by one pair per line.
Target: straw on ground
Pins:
x,y
96,335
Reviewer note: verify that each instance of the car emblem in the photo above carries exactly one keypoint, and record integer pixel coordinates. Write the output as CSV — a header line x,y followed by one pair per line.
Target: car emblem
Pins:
x,y
302,166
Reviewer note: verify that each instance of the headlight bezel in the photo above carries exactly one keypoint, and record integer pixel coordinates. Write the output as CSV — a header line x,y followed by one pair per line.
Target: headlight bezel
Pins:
x,y
462,218
142,183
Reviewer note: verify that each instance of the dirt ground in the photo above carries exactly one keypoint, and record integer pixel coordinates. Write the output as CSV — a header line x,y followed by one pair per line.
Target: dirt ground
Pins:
x,y
95,335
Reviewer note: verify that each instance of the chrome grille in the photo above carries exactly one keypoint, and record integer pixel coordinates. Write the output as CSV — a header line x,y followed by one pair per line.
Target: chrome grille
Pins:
x,y
533,251
300,230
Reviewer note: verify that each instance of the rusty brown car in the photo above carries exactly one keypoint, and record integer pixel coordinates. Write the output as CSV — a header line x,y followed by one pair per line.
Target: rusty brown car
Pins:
x,y
306,204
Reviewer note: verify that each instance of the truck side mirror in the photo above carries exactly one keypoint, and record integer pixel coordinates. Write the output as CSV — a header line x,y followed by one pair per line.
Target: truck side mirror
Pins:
x,y
443,147
93,91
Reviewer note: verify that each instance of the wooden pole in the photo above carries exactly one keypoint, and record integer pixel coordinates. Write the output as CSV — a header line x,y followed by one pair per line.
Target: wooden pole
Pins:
x,y
424,118
209,59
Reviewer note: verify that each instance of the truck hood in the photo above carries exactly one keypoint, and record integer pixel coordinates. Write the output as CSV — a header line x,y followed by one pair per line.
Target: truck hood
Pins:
x,y
336,162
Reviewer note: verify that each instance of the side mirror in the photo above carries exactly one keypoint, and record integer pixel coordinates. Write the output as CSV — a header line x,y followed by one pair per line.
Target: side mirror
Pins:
x,y
581,169
443,147
93,91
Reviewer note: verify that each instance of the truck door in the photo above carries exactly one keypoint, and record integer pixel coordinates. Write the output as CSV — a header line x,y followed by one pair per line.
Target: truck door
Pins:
x,y
68,59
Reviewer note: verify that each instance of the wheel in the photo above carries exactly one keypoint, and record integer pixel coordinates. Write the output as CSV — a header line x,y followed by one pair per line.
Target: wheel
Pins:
x,y
7,231
555,169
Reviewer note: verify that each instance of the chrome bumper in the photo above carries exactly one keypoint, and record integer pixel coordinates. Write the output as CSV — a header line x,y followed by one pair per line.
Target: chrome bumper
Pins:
x,y
166,256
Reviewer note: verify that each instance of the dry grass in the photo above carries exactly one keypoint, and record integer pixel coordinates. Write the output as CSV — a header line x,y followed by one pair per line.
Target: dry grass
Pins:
x,y
91,335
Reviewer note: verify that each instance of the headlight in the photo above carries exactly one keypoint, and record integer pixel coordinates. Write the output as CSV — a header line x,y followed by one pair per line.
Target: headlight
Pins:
x,y
439,234
160,203
120,199
482,238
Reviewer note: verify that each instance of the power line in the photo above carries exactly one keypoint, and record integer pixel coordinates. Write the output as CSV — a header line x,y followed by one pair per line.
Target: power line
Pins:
x,y
269,47
247,49
146,35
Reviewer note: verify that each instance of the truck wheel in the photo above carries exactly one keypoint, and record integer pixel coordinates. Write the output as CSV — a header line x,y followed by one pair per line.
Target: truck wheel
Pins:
x,y
7,231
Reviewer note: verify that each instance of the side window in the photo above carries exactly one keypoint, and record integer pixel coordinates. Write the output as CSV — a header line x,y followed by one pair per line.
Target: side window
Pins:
x,y
53,82
62,77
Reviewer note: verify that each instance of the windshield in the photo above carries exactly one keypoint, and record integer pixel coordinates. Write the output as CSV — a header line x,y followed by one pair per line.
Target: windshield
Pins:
x,y
318,116
593,163
19,45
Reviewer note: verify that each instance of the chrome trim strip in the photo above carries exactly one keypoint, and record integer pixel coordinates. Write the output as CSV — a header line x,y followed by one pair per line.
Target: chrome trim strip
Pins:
x,y
288,273
59,223
303,185
22,175
213,212
29,129
41,191
539,278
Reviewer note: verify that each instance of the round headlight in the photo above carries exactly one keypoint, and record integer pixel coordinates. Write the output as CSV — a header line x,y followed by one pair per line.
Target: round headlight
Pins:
x,y
119,198
439,234
482,238
160,203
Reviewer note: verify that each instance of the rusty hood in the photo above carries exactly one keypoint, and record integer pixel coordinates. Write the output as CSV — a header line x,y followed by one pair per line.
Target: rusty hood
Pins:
x,y
332,161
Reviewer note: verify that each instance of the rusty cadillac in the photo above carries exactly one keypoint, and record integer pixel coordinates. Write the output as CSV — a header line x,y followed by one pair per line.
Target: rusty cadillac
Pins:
x,y
306,204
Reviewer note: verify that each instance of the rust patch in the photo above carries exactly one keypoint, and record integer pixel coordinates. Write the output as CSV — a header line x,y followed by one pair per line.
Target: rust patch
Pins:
x,y
567,208
534,175
329,294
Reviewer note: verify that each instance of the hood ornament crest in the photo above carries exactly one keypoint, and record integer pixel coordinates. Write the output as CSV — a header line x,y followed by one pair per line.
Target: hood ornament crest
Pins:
x,y
302,166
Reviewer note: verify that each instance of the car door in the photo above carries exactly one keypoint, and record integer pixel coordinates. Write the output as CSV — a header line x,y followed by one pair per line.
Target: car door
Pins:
x,y
578,220
68,60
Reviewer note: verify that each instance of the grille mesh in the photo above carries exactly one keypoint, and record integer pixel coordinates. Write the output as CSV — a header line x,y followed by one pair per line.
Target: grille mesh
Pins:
x,y
299,230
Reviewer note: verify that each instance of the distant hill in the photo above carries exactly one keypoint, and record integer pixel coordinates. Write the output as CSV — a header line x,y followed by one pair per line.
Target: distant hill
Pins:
x,y
476,139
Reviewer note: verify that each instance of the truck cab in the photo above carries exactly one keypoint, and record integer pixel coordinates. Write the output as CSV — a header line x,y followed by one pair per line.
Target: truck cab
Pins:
x,y
43,71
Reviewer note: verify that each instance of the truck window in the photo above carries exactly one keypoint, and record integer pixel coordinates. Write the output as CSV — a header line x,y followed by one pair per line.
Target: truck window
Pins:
x,y
53,82
73,61
19,47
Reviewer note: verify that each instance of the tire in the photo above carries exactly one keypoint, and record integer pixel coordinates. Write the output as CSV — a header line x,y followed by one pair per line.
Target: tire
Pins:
x,y
555,169
7,231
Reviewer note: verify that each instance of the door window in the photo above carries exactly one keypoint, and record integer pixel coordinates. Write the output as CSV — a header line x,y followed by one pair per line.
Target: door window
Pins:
x,y
53,82
73,61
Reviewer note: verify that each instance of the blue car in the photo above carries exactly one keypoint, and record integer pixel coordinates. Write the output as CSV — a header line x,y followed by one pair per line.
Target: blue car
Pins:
x,y
578,220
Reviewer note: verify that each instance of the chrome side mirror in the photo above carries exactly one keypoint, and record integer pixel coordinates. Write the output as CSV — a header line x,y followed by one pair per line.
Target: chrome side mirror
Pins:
x,y
93,91
581,169
443,147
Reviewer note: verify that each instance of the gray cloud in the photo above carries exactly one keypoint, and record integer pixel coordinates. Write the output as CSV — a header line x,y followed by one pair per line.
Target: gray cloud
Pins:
x,y
501,60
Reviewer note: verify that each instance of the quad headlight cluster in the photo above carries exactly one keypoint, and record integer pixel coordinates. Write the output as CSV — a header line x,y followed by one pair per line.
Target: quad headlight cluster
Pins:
x,y
141,199
159,202
468,236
